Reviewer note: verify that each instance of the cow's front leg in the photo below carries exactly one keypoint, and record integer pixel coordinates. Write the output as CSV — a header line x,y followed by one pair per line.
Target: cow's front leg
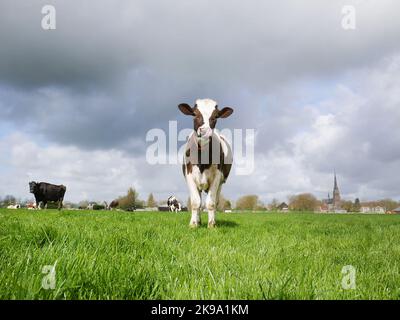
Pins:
x,y
195,202
212,199
37,203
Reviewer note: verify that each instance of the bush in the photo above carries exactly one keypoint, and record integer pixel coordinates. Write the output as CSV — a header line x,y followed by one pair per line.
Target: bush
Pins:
x,y
249,202
303,202
131,200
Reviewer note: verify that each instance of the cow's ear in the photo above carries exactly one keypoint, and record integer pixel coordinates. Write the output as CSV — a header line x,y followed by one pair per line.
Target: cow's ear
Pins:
x,y
225,112
186,109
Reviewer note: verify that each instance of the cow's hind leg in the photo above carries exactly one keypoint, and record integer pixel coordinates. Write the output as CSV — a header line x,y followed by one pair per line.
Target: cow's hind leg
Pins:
x,y
60,204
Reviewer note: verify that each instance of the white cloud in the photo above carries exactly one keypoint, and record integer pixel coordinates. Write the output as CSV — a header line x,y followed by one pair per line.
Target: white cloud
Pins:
x,y
95,175
355,131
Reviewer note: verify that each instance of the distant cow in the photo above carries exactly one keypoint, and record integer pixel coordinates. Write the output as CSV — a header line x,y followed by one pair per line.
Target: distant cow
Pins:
x,y
114,204
173,204
16,206
45,192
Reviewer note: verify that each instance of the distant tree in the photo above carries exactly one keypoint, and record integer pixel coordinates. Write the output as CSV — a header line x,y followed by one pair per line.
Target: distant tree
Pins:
x,y
347,205
357,205
248,202
151,202
223,204
130,200
303,202
9,200
273,206
260,206
140,204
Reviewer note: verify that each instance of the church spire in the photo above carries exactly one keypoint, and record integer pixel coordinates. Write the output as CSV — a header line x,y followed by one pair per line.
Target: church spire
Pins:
x,y
335,185
336,193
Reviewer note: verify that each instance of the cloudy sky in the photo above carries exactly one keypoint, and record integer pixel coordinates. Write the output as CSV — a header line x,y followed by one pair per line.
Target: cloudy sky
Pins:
x,y
77,102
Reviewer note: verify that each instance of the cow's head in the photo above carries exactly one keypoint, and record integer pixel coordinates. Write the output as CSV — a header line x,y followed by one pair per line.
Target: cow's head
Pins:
x,y
32,187
205,113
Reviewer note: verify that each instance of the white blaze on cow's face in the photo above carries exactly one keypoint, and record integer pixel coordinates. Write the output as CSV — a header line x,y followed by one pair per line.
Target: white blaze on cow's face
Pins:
x,y
205,113
208,111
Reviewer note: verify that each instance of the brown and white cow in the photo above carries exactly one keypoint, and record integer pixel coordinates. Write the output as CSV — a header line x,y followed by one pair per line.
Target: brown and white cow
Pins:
x,y
113,205
207,159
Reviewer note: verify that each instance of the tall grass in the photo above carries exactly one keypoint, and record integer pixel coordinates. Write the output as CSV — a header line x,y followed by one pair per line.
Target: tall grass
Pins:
x,y
115,255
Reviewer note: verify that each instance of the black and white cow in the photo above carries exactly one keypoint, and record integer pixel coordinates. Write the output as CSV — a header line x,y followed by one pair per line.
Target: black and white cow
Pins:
x,y
173,204
14,206
207,159
45,192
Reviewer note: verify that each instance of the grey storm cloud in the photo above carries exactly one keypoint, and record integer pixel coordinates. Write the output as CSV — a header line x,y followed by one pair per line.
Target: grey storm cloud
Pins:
x,y
112,70
204,44
125,65
149,56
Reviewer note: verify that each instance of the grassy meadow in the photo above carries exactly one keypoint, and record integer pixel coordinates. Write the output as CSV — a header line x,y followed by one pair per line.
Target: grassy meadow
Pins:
x,y
118,255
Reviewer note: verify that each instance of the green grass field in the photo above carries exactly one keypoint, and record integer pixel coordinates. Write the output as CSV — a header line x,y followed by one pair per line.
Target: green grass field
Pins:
x,y
115,255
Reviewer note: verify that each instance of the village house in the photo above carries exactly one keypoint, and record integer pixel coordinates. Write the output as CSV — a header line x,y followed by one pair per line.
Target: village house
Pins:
x,y
283,207
397,210
373,209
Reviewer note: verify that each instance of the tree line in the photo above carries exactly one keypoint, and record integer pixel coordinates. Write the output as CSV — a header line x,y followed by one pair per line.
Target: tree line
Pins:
x,y
308,202
252,202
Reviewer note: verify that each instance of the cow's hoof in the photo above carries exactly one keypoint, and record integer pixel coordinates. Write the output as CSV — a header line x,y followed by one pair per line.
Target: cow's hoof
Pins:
x,y
212,224
194,225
